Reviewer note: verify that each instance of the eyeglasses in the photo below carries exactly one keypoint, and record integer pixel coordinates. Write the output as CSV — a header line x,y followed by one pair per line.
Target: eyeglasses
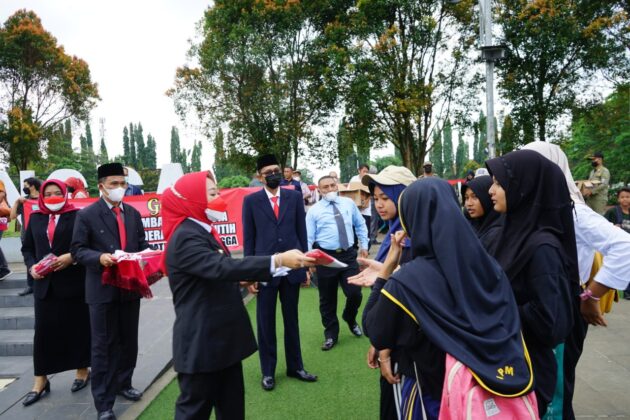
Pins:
x,y
271,172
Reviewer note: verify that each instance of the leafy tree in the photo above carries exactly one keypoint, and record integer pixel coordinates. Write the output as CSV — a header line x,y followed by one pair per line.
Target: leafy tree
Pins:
x,y
89,143
461,155
42,87
175,147
555,47
436,156
509,139
235,181
385,161
262,71
480,152
396,49
602,127
447,150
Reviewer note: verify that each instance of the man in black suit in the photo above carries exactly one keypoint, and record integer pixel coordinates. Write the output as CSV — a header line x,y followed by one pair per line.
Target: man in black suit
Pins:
x,y
274,221
100,230
212,333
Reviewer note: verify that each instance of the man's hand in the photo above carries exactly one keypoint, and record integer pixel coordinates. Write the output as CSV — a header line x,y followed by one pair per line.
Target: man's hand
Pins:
x,y
20,200
592,313
307,280
372,358
312,270
367,276
385,361
363,253
253,288
62,262
107,260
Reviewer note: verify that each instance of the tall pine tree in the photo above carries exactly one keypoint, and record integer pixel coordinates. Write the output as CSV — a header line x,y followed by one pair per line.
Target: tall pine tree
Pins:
x,y
447,150
175,147
461,155
195,158
88,138
140,147
133,160
436,154
102,155
151,153
126,153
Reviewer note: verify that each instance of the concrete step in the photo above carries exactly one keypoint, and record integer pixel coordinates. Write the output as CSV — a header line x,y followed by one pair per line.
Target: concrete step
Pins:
x,y
16,342
14,281
9,298
18,318
15,366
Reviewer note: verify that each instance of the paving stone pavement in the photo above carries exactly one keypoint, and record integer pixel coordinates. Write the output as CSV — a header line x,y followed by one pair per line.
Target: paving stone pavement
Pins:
x,y
602,388
154,358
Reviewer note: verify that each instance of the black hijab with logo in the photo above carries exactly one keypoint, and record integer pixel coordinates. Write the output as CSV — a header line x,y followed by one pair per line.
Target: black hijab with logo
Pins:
x,y
488,226
538,211
459,295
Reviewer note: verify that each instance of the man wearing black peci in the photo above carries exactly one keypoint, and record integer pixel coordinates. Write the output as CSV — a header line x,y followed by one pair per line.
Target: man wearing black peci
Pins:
x,y
273,221
100,229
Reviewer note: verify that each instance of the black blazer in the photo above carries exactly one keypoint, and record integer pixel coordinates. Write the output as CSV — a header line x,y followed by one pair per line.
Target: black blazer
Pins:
x,y
212,330
263,234
63,284
95,233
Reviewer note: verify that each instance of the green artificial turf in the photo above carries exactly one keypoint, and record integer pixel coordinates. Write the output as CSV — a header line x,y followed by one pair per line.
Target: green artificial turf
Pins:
x,y
346,388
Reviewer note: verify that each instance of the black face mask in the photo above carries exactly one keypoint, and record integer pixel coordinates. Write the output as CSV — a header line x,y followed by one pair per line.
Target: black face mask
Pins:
x,y
273,180
428,169
594,164
26,190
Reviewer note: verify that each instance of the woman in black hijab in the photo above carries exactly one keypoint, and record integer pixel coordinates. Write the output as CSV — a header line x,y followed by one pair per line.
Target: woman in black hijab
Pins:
x,y
480,210
451,297
538,253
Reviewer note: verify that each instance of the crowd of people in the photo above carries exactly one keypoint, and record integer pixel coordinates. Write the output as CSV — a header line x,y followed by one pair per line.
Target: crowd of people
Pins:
x,y
500,282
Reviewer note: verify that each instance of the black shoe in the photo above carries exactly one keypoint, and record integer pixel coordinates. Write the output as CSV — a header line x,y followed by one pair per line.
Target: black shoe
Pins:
x,y
106,415
328,344
131,394
4,274
27,291
355,329
268,383
79,384
32,397
302,375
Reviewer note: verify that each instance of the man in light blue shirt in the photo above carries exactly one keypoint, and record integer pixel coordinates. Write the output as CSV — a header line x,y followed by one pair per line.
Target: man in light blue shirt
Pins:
x,y
331,225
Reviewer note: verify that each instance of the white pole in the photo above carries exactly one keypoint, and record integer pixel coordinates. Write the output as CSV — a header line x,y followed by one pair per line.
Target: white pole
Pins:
x,y
486,16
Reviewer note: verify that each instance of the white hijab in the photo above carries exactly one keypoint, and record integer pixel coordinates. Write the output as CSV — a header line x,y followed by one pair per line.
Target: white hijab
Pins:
x,y
557,156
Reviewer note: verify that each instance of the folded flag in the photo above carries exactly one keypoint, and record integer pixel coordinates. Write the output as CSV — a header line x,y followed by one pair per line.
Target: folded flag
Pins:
x,y
321,258
134,271
44,266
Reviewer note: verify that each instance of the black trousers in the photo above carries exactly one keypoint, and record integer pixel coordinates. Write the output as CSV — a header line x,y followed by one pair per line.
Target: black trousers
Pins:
x,y
114,328
328,281
266,322
201,392
573,346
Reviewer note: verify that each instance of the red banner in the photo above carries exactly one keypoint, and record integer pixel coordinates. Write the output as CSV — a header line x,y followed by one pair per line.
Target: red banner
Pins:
x,y
149,205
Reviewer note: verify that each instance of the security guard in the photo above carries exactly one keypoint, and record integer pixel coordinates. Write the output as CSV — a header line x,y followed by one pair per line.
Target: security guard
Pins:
x,y
597,197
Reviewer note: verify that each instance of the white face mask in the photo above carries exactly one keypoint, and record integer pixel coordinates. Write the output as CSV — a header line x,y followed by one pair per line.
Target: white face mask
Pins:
x,y
330,196
297,178
55,207
127,179
215,216
115,194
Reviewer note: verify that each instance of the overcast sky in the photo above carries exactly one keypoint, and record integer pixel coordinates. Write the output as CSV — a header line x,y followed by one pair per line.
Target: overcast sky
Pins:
x,y
132,48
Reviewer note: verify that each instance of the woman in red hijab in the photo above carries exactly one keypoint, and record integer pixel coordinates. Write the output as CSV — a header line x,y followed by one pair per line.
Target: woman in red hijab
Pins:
x,y
62,321
212,332
76,188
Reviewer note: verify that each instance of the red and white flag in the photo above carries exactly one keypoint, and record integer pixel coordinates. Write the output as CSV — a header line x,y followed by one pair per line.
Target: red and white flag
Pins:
x,y
321,258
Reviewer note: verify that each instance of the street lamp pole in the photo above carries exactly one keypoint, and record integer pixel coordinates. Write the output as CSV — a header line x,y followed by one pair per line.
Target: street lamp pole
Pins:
x,y
490,53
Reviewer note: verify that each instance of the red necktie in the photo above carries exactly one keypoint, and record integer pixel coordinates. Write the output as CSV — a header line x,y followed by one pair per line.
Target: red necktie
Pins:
x,y
121,228
51,229
276,208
